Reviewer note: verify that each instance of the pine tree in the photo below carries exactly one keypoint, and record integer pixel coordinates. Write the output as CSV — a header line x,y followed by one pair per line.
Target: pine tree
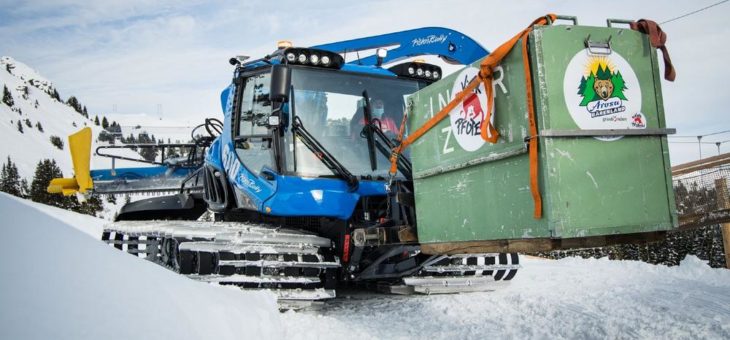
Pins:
x,y
28,123
10,181
57,142
20,127
105,136
74,103
96,120
104,123
39,126
147,153
7,97
56,95
7,68
85,112
47,170
24,188
91,206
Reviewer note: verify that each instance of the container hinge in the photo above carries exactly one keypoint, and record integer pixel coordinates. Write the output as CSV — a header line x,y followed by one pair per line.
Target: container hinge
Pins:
x,y
606,132
598,47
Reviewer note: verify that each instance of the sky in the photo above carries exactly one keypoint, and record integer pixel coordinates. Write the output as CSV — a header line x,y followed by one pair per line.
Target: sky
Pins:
x,y
170,58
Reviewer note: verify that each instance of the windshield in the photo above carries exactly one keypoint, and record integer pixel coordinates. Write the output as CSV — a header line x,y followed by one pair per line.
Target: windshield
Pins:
x,y
330,105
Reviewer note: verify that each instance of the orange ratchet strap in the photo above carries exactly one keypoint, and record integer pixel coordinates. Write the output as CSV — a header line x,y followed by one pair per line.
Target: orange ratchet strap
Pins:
x,y
488,132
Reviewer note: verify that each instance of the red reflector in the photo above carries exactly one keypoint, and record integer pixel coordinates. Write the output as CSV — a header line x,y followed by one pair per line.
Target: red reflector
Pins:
x,y
346,249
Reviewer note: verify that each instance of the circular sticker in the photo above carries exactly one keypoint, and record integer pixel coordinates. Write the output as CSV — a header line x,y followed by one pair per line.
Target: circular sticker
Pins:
x,y
466,119
602,92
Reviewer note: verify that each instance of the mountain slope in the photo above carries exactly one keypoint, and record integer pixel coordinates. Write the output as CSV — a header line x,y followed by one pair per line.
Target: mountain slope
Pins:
x,y
56,118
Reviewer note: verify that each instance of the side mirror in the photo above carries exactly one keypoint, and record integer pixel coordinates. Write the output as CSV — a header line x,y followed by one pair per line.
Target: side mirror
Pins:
x,y
280,81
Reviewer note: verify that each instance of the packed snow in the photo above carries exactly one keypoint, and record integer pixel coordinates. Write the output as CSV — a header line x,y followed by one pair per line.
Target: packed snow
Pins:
x,y
59,282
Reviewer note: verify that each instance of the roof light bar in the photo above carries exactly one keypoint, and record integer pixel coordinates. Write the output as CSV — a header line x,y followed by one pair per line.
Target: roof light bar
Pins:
x,y
312,57
417,70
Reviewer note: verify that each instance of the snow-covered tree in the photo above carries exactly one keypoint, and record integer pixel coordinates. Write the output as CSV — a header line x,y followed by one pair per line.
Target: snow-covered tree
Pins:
x,y
91,206
106,136
147,153
45,171
7,97
57,142
55,95
39,126
10,181
20,127
74,103
96,121
104,123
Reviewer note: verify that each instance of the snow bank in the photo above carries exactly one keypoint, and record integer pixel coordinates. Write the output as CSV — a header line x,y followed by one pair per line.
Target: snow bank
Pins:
x,y
75,287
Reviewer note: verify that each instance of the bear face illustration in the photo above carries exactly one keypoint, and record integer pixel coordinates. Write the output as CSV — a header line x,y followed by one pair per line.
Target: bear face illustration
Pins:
x,y
603,88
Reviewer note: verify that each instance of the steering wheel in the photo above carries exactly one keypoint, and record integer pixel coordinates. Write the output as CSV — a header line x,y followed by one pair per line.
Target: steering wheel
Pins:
x,y
214,127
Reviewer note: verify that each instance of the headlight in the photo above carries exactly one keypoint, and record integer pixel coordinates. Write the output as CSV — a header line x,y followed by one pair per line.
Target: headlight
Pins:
x,y
312,57
417,70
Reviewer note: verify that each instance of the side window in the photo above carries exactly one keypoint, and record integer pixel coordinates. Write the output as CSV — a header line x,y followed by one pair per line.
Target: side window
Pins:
x,y
255,106
253,141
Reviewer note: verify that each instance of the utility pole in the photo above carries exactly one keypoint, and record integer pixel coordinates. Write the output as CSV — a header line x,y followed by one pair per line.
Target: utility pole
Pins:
x,y
699,145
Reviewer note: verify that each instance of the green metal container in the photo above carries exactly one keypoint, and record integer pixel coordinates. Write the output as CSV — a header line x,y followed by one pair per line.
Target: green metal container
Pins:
x,y
603,157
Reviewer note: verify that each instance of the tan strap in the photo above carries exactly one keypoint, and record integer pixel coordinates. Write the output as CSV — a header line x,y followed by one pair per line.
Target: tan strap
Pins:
x,y
658,39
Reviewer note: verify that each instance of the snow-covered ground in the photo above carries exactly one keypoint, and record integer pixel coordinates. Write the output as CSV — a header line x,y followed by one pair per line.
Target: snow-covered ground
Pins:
x,y
75,287
57,282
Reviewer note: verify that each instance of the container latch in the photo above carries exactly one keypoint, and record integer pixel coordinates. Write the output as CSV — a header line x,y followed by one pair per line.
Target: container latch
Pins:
x,y
598,47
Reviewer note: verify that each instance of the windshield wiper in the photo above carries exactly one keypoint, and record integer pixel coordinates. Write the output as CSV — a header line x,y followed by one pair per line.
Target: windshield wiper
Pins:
x,y
318,150
368,130
372,128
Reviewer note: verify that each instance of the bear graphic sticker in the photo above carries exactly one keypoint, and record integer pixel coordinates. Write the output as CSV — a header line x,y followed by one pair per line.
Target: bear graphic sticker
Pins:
x,y
602,92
